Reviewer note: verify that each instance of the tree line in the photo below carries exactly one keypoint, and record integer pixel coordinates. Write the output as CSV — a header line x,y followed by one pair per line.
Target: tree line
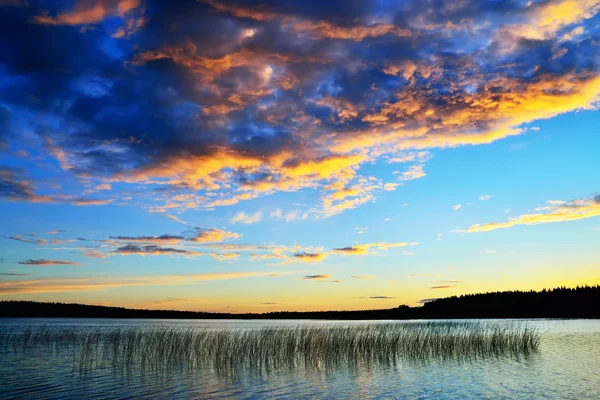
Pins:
x,y
561,302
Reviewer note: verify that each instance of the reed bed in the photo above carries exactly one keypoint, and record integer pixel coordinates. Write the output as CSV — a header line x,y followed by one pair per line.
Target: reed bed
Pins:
x,y
263,350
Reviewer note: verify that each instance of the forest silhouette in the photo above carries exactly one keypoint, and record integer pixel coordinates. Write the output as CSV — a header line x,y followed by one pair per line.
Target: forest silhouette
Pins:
x,y
561,302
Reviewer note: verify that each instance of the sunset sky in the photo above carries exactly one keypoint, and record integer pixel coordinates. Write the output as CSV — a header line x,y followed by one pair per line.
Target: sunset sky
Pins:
x,y
301,155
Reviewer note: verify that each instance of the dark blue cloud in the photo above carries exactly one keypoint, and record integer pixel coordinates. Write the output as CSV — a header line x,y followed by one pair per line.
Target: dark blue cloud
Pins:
x,y
128,95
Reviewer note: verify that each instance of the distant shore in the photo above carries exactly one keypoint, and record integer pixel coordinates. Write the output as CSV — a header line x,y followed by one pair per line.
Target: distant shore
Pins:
x,y
579,302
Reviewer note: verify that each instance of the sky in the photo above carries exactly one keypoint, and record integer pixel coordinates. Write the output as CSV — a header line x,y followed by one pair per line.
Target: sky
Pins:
x,y
257,156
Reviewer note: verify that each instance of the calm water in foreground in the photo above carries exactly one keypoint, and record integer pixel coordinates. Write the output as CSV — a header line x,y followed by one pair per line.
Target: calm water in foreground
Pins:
x,y
566,366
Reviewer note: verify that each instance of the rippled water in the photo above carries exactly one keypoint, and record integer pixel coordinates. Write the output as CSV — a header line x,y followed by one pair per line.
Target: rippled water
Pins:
x,y
565,367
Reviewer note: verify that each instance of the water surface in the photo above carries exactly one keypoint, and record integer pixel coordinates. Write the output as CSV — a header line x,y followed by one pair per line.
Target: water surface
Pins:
x,y
565,366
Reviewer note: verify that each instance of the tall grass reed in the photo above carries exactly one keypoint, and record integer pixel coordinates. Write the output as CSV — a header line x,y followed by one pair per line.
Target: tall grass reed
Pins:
x,y
315,347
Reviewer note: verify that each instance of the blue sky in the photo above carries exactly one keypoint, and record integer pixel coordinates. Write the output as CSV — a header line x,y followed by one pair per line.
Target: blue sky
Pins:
x,y
260,156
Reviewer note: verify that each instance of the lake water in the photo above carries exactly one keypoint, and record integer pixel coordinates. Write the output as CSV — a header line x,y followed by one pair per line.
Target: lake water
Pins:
x,y
566,366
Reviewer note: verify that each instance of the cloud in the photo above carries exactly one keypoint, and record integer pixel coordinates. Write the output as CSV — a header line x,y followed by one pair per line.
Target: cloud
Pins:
x,y
379,297
554,211
414,172
13,274
362,277
213,235
423,301
164,239
443,287
269,256
41,262
225,256
55,232
90,202
94,254
14,3
14,187
102,283
176,219
152,250
94,12
359,249
316,277
34,240
310,257
487,252
276,214
545,19
457,207
244,218
291,97
201,235
484,197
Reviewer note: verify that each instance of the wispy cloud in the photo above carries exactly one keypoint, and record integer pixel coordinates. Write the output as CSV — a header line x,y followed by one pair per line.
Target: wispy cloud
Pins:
x,y
553,211
359,249
444,287
13,274
487,252
93,284
176,219
152,250
244,218
316,277
163,239
41,262
94,254
362,276
34,240
225,256
212,235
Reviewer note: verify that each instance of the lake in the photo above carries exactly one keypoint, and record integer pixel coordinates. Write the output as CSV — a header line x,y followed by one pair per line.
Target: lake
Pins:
x,y
565,365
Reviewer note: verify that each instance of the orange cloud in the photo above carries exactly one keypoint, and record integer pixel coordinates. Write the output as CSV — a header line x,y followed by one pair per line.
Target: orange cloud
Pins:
x,y
314,29
93,12
239,11
545,19
214,235
310,257
324,29
225,256
555,211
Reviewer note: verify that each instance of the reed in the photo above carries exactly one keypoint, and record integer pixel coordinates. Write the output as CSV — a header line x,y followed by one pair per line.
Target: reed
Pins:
x,y
263,350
